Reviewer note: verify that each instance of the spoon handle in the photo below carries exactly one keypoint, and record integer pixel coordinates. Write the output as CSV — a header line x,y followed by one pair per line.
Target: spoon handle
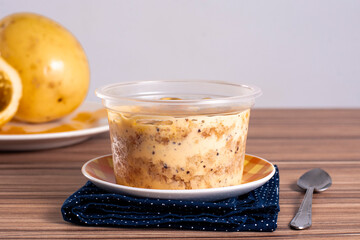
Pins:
x,y
302,219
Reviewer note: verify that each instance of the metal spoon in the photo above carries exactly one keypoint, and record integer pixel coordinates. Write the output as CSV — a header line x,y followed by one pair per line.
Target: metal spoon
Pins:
x,y
315,179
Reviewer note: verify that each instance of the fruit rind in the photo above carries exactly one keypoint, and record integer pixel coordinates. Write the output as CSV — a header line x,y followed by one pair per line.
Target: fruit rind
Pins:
x,y
10,110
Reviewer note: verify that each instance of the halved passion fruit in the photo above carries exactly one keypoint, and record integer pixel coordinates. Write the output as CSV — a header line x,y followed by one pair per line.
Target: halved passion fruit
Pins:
x,y
10,92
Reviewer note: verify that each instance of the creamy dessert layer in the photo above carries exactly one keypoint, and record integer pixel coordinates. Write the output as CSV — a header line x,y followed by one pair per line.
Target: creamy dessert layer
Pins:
x,y
165,152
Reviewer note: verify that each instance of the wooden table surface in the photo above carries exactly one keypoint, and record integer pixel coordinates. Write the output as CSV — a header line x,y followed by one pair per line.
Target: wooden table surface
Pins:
x,y
33,185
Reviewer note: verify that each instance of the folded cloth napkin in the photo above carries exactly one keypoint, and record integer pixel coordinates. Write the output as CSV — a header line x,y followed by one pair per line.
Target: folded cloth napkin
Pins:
x,y
254,211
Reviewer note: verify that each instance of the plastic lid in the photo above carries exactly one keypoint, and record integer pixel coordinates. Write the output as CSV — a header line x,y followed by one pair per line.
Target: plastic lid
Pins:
x,y
179,97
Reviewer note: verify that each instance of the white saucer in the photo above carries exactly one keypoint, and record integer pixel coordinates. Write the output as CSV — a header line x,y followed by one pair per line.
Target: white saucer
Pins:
x,y
27,142
257,171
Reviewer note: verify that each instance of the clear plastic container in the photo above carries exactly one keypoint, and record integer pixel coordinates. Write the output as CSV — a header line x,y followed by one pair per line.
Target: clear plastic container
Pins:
x,y
178,134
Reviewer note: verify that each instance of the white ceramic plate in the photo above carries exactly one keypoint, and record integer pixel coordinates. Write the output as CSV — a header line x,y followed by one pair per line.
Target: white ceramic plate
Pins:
x,y
27,142
257,171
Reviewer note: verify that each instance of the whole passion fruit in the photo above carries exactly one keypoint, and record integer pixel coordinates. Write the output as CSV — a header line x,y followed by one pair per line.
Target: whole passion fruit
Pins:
x,y
52,65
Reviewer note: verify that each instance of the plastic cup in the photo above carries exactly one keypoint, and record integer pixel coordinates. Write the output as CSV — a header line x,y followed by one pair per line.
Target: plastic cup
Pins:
x,y
178,134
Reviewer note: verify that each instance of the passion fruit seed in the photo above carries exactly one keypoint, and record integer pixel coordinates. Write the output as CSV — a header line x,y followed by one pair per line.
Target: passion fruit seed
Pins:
x,y
175,98
6,90
170,98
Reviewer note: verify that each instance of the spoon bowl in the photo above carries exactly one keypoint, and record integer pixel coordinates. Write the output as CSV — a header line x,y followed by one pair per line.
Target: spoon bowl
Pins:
x,y
317,178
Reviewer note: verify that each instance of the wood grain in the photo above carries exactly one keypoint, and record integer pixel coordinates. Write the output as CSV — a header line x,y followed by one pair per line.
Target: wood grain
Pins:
x,y
33,185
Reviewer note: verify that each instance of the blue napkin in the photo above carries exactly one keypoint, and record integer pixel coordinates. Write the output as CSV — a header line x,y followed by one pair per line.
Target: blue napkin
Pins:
x,y
255,211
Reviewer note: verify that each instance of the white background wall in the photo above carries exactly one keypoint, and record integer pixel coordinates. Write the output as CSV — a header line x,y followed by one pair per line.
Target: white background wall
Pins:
x,y
302,53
